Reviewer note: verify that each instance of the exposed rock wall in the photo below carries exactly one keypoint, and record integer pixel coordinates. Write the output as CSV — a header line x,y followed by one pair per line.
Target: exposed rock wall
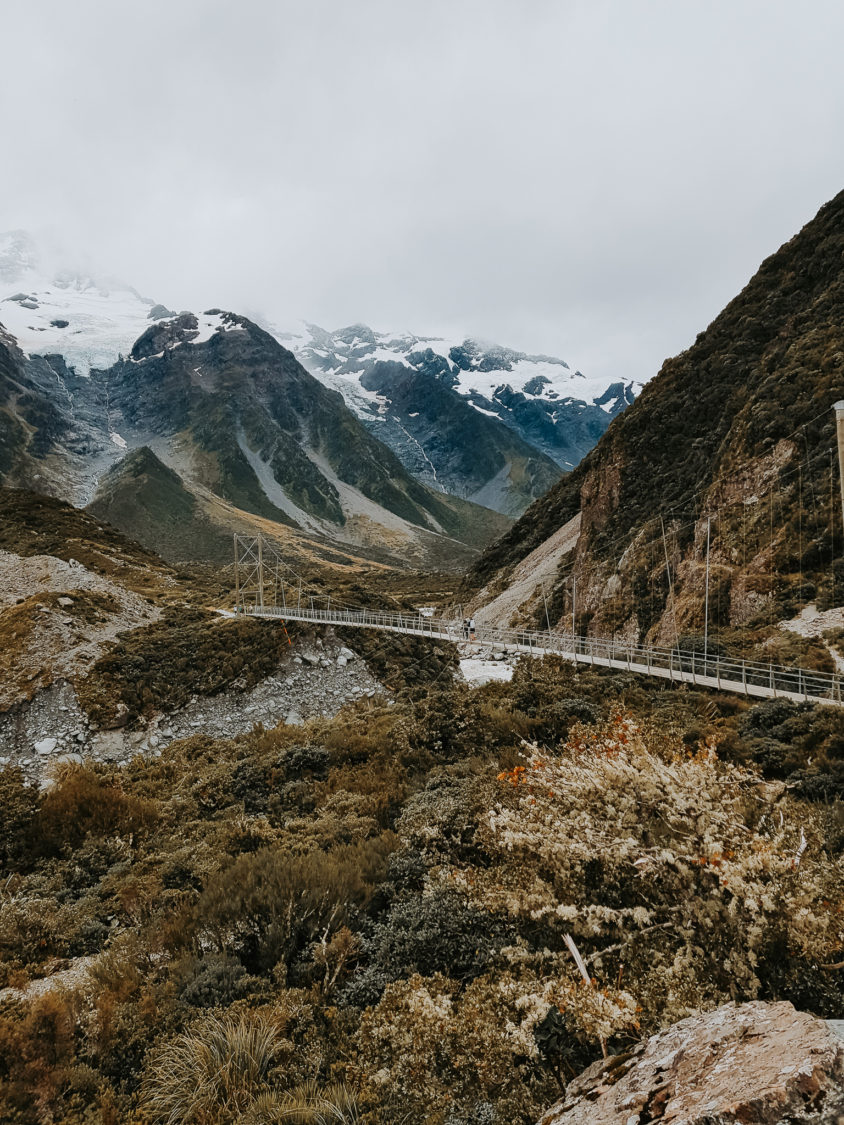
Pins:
x,y
758,1063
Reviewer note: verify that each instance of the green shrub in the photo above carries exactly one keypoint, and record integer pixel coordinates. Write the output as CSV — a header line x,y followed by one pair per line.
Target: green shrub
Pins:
x,y
436,933
189,652
268,906
216,980
18,809
83,803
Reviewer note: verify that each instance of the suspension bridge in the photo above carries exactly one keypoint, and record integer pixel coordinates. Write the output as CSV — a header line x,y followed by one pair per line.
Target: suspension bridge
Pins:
x,y
260,592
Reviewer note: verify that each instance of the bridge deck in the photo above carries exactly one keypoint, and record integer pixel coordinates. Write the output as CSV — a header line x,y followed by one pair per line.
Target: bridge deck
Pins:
x,y
762,681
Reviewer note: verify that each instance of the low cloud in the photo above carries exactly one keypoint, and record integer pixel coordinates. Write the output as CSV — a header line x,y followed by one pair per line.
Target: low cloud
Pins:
x,y
590,179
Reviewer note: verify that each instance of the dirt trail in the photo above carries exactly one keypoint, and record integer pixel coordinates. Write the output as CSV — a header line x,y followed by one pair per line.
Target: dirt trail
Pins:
x,y
534,573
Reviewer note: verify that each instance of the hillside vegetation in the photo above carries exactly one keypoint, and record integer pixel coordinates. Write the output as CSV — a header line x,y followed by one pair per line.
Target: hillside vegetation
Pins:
x,y
371,913
738,428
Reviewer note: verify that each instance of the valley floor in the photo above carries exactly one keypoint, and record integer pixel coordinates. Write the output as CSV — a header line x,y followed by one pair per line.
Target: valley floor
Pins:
x,y
369,862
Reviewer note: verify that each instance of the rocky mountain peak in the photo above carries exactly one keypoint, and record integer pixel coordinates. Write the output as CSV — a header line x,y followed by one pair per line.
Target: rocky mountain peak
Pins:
x,y
186,328
487,398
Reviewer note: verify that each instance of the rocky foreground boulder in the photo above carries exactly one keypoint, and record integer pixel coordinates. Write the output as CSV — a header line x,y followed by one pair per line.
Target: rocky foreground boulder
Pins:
x,y
758,1064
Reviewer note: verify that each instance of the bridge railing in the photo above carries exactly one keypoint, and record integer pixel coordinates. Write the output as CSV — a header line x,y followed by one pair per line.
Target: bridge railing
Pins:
x,y
693,667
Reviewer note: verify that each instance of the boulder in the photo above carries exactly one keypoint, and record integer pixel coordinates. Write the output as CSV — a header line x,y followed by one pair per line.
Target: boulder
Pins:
x,y
45,746
76,758
755,1063
121,718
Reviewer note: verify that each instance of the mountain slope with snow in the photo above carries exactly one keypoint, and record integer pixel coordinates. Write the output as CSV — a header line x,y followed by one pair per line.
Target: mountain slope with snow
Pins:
x,y
387,379
218,406
89,321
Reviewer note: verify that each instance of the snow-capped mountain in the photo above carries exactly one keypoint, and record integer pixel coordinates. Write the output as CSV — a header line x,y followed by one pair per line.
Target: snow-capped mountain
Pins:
x,y
89,321
208,425
385,377
486,374
474,420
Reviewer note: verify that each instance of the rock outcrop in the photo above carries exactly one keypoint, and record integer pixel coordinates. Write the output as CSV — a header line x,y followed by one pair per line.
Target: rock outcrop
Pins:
x,y
757,1063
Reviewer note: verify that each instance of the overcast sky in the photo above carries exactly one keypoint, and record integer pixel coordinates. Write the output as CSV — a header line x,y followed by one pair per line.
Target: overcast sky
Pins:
x,y
590,179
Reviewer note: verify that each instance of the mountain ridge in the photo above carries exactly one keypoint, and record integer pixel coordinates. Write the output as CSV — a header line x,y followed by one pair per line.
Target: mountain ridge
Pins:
x,y
530,413
739,425
223,404
93,357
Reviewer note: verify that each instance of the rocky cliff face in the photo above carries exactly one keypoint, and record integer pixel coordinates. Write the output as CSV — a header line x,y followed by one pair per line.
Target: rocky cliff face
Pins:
x,y
760,1064
732,441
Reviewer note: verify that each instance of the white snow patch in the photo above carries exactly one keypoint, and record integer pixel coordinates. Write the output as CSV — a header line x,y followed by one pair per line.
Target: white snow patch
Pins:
x,y
609,407
384,355
561,381
557,382
209,323
90,321
476,671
